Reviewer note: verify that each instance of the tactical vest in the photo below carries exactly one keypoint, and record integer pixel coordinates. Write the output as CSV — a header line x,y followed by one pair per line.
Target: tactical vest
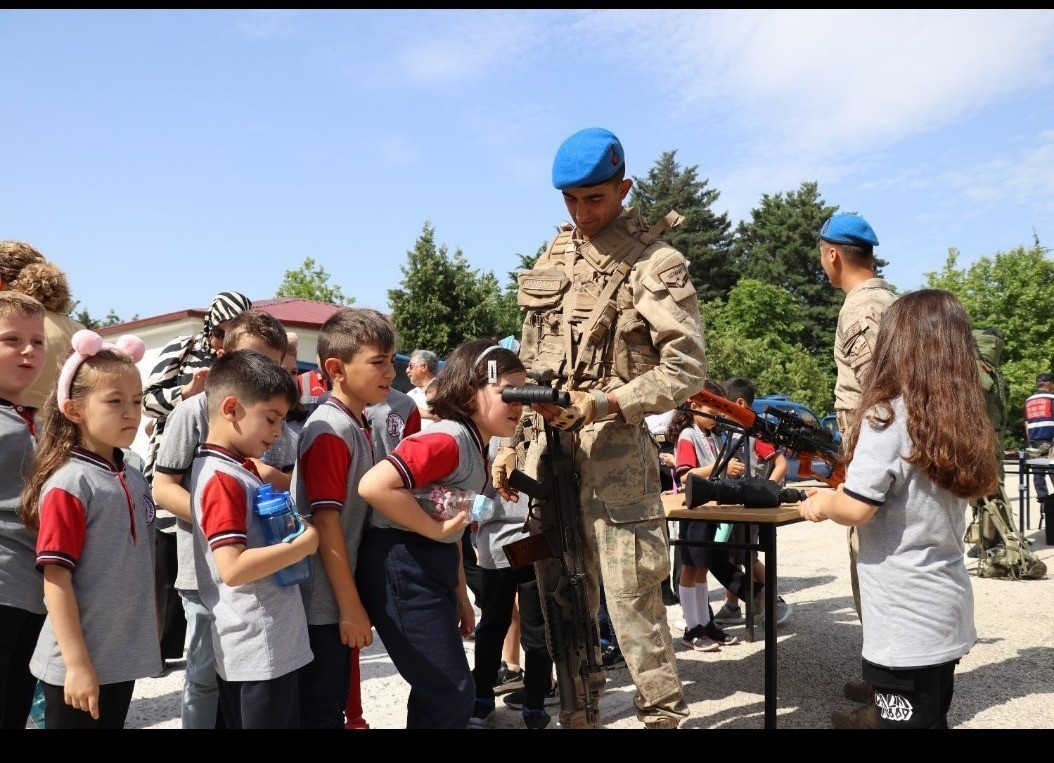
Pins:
x,y
580,315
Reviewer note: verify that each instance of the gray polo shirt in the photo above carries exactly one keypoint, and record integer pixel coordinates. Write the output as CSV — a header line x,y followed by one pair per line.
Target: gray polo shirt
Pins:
x,y
187,428
259,630
335,451
21,584
449,453
506,526
97,520
391,420
915,592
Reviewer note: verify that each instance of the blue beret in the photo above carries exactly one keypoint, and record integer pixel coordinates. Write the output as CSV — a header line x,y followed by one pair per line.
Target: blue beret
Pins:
x,y
848,229
588,157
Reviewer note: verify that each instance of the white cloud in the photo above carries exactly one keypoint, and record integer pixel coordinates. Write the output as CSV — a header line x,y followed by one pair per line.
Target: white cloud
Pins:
x,y
817,81
266,23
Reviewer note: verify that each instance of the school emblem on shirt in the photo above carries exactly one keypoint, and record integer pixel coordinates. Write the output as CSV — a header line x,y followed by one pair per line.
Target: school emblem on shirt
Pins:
x,y
149,509
394,425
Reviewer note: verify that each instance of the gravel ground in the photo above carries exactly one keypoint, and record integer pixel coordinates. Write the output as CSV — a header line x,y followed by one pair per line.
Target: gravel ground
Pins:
x,y
1005,682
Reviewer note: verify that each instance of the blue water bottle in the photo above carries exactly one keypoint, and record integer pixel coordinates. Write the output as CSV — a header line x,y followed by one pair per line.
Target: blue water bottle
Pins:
x,y
281,524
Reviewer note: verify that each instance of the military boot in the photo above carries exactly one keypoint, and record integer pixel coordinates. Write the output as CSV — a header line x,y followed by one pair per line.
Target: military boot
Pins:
x,y
863,717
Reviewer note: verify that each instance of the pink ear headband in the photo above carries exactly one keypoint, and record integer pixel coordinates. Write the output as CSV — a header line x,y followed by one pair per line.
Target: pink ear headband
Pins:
x,y
87,343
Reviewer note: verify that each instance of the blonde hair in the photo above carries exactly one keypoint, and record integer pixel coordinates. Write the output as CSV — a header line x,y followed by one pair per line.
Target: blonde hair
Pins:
x,y
46,283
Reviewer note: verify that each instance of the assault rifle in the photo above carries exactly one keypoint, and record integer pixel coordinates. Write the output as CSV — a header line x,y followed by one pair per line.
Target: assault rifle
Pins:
x,y
572,633
783,430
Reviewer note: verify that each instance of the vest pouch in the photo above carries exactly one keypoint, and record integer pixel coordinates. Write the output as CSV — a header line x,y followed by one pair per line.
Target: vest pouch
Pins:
x,y
634,353
541,295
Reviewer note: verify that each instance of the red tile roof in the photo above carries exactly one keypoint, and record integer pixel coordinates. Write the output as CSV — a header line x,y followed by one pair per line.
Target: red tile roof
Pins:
x,y
290,311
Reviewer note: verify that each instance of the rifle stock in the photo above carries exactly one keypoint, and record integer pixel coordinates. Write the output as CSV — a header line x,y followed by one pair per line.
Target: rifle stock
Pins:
x,y
573,636
788,431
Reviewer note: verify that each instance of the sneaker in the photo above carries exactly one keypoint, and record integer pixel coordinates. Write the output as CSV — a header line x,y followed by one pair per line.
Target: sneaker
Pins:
x,y
718,636
508,679
480,712
535,718
514,699
863,717
612,658
858,691
728,615
783,611
697,639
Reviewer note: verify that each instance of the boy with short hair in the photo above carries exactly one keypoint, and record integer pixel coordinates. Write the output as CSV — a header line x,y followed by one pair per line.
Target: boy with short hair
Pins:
x,y
259,630
186,430
356,351
22,610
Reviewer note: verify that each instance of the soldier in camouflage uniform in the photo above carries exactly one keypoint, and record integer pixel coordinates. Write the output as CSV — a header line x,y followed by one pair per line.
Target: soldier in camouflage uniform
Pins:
x,y
847,255
611,311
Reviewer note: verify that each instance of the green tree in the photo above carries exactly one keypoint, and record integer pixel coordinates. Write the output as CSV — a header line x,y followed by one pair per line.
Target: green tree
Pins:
x,y
778,246
1010,291
704,237
748,336
83,317
442,301
311,281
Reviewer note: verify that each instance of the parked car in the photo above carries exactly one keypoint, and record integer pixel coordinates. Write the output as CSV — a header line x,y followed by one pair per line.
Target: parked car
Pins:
x,y
830,423
806,414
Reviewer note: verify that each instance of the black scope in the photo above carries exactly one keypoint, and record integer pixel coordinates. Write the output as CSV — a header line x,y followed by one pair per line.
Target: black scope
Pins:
x,y
536,393
751,492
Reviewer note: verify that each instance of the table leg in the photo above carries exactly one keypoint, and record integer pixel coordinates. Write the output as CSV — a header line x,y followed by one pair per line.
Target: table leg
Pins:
x,y
748,605
767,536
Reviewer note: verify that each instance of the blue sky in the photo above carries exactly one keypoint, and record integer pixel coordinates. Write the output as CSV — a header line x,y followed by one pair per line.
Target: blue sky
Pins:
x,y
162,156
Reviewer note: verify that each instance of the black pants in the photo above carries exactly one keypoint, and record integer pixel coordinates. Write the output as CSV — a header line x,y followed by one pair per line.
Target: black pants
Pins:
x,y
912,698
473,572
19,629
114,700
326,680
172,621
500,588
270,704
715,558
408,585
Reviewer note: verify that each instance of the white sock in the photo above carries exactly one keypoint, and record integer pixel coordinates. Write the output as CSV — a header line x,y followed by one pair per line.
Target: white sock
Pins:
x,y
702,603
688,605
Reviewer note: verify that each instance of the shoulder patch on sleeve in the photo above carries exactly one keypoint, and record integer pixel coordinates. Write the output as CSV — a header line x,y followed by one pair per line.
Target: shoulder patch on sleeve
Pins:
x,y
673,276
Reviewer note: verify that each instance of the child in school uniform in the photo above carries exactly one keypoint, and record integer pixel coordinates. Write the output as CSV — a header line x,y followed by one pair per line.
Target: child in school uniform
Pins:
x,y
410,574
22,610
355,348
259,631
186,429
696,454
95,541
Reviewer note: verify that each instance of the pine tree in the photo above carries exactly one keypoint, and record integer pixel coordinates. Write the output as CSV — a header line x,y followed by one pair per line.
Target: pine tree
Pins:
x,y
704,237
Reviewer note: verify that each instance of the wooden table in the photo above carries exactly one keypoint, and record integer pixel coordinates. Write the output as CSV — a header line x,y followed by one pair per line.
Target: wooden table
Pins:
x,y
766,520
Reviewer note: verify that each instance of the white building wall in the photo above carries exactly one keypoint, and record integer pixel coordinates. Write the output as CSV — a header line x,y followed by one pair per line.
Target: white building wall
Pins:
x,y
156,337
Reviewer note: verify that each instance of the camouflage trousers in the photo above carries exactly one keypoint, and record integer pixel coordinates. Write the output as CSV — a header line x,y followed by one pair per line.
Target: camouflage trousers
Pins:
x,y
626,549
